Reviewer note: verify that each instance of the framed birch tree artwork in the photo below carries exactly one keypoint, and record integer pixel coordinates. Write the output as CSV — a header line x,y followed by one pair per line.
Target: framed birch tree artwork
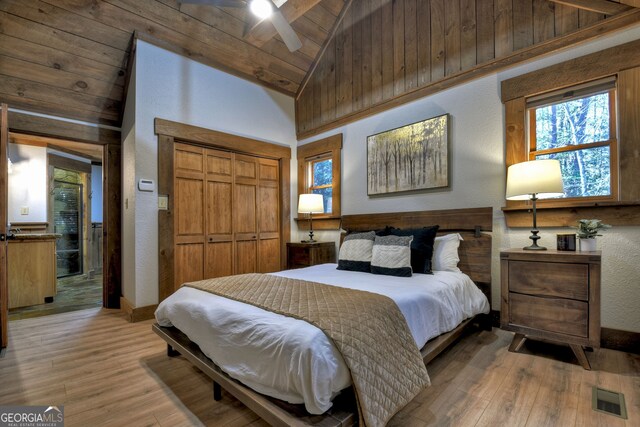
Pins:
x,y
409,158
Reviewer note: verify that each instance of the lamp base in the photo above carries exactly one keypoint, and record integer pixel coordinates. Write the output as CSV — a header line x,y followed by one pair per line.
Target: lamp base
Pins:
x,y
534,246
309,241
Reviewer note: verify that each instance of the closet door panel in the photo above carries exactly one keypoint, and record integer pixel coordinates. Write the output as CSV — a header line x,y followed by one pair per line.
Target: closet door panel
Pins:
x,y
219,258
269,260
219,202
188,160
269,216
246,256
246,169
245,219
189,207
189,261
244,208
219,165
219,214
268,219
189,218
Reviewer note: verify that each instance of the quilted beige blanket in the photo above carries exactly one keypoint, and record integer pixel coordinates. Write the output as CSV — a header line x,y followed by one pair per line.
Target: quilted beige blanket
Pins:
x,y
368,329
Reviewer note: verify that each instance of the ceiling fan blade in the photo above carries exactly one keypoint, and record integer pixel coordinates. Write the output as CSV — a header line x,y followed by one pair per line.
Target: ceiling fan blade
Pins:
x,y
289,36
217,3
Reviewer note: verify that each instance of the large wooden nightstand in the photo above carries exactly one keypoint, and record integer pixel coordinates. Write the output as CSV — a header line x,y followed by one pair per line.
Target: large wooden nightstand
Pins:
x,y
552,295
306,254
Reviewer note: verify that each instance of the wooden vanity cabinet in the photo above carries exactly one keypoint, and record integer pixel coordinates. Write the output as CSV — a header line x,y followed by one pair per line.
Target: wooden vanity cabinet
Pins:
x,y
31,270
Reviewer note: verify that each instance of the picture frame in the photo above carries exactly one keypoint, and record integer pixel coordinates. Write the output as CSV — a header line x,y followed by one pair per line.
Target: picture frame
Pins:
x,y
414,157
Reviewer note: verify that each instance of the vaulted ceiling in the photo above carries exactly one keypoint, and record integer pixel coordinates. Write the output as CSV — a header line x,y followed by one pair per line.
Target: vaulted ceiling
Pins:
x,y
70,58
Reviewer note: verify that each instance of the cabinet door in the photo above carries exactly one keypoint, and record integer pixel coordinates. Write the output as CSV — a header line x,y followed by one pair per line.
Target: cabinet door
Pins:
x,y
219,218
268,216
245,219
189,221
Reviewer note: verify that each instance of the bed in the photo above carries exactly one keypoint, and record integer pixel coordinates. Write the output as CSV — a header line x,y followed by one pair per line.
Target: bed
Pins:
x,y
264,363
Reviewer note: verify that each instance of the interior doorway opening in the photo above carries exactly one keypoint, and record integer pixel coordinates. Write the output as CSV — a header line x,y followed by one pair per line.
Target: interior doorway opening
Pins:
x,y
55,203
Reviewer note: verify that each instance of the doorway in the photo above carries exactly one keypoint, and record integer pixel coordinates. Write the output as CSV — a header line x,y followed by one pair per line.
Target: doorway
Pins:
x,y
68,211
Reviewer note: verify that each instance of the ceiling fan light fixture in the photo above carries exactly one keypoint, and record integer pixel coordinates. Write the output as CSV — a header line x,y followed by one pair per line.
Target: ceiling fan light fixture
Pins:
x,y
261,8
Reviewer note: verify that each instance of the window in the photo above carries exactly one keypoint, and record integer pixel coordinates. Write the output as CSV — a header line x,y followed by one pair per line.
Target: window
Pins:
x,y
577,127
604,184
319,173
321,180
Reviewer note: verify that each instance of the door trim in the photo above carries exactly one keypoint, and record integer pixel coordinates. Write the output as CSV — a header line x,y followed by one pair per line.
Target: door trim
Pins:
x,y
4,190
109,139
170,132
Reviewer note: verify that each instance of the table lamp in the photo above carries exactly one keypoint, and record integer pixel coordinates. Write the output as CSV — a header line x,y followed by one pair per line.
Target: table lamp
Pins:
x,y
533,180
310,203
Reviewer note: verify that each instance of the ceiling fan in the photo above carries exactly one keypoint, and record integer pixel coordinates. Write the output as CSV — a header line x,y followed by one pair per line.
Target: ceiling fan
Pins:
x,y
263,9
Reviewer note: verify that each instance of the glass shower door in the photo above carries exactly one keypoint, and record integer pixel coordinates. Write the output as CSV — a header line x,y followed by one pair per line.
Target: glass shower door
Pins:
x,y
67,216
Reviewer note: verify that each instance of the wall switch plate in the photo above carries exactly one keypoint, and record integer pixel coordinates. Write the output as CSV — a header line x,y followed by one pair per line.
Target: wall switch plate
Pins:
x,y
163,203
24,210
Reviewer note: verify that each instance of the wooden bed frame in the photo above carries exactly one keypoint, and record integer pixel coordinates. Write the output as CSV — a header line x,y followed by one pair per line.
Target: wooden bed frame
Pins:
x,y
475,261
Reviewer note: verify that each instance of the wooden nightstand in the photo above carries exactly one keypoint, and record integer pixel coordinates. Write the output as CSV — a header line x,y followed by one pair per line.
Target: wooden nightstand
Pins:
x,y
306,254
552,295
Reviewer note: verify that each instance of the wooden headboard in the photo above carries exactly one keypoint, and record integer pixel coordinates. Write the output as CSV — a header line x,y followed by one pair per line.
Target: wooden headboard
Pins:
x,y
475,249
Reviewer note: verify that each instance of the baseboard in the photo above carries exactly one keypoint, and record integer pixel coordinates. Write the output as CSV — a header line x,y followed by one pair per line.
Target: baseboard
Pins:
x,y
613,339
137,314
616,339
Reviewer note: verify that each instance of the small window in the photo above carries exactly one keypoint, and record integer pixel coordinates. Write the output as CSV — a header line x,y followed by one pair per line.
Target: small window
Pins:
x,y
577,127
321,176
319,173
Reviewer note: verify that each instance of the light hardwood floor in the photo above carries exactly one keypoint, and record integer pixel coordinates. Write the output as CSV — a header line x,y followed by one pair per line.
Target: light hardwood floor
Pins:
x,y
106,371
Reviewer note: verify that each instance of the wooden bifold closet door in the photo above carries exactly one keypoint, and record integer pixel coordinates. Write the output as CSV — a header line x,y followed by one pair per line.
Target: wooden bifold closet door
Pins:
x,y
227,214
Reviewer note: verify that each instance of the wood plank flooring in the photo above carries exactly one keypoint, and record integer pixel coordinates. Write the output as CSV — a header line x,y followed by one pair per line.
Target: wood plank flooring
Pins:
x,y
123,377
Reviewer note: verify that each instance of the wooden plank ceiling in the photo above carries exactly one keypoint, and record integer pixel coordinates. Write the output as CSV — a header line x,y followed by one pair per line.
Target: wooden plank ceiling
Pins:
x,y
388,52
69,57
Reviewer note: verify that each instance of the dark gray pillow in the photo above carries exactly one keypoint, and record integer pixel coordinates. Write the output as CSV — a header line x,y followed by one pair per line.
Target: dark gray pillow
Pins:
x,y
355,252
391,256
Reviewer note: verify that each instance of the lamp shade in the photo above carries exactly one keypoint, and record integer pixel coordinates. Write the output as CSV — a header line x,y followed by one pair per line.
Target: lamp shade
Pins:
x,y
540,177
310,203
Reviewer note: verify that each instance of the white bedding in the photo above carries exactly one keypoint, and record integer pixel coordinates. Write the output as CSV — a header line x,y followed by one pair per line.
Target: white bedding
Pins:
x,y
293,360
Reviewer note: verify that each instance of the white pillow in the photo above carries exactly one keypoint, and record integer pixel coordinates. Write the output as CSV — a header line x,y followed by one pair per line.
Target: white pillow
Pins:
x,y
445,253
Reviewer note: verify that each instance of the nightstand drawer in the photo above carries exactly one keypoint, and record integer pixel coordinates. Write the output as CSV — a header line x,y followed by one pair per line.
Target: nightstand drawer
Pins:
x,y
550,279
562,316
300,256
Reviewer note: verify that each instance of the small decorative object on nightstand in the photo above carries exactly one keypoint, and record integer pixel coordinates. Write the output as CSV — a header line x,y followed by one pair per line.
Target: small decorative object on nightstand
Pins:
x,y
587,233
552,295
307,254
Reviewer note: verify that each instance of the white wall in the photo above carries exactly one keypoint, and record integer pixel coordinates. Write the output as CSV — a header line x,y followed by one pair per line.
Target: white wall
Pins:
x,y
176,88
477,165
27,183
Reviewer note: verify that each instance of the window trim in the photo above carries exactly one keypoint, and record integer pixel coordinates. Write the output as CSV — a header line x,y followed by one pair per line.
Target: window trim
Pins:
x,y
612,142
330,147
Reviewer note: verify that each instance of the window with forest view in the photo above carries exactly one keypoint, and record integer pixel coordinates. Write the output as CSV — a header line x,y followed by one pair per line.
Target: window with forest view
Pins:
x,y
321,177
579,131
